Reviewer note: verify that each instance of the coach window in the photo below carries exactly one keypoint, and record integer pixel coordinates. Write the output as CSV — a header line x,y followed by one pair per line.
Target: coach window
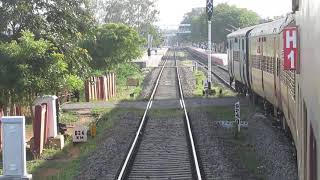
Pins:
x,y
242,44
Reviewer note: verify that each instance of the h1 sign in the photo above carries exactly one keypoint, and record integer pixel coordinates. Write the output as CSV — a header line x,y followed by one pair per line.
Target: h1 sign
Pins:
x,y
290,47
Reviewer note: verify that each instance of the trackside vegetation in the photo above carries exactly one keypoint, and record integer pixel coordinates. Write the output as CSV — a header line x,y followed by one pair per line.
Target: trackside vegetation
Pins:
x,y
52,47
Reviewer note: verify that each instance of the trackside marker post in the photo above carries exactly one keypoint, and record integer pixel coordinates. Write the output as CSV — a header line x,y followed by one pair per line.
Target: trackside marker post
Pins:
x,y
237,114
14,148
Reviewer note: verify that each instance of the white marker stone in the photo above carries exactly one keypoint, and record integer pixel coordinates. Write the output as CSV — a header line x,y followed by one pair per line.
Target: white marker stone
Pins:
x,y
80,133
14,148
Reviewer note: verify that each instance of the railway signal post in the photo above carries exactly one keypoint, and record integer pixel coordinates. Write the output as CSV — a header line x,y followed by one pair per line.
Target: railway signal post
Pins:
x,y
209,13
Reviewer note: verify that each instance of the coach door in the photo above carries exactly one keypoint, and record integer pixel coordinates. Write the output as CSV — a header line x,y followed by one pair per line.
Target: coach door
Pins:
x,y
278,71
262,60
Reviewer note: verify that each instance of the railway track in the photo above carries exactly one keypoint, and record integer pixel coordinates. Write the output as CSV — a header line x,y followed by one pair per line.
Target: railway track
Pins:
x,y
163,148
221,73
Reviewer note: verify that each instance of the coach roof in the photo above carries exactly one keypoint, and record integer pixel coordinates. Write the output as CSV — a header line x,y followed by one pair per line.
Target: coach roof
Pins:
x,y
274,27
241,32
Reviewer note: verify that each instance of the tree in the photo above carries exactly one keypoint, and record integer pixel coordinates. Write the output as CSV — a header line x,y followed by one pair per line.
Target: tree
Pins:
x,y
31,68
195,12
48,19
154,31
112,44
225,18
134,13
62,22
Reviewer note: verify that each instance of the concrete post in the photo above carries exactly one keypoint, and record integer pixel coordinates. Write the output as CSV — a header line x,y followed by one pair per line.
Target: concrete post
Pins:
x,y
39,130
14,148
52,113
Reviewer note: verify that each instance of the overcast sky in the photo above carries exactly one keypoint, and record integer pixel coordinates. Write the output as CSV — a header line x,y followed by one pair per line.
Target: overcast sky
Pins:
x,y
172,11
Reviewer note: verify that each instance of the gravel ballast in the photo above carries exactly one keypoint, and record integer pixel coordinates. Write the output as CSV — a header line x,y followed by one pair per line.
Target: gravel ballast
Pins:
x,y
149,82
188,81
111,150
274,149
217,153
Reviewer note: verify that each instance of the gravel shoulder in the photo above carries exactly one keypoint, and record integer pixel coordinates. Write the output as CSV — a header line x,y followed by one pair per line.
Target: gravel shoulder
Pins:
x,y
188,80
112,147
149,83
217,150
273,148
261,152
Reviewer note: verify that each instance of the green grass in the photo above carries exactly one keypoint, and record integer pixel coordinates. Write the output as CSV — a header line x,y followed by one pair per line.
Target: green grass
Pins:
x,y
187,63
69,117
96,112
69,169
123,93
223,113
181,54
216,88
247,155
244,151
225,92
200,78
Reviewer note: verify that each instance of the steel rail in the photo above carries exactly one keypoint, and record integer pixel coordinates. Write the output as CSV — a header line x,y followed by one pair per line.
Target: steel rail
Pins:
x,y
222,68
225,82
122,173
194,154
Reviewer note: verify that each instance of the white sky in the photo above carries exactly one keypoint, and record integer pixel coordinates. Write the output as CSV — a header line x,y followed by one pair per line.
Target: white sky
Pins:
x,y
172,11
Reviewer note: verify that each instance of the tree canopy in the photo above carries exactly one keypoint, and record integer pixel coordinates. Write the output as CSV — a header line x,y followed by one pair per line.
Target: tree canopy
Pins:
x,y
138,14
134,13
225,19
53,46
31,67
112,44
54,19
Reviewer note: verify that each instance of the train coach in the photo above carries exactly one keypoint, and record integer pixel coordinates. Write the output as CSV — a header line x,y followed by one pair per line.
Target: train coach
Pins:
x,y
277,63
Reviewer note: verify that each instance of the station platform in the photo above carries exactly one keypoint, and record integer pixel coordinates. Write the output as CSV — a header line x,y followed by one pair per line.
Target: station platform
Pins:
x,y
218,58
153,60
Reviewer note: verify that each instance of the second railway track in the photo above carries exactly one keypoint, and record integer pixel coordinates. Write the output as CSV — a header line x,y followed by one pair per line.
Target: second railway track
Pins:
x,y
219,72
163,148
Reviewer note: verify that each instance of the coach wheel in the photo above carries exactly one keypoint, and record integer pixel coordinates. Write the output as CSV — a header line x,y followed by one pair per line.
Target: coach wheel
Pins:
x,y
284,124
255,98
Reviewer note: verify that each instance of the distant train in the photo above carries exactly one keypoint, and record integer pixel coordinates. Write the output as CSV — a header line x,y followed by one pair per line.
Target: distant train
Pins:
x,y
278,63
